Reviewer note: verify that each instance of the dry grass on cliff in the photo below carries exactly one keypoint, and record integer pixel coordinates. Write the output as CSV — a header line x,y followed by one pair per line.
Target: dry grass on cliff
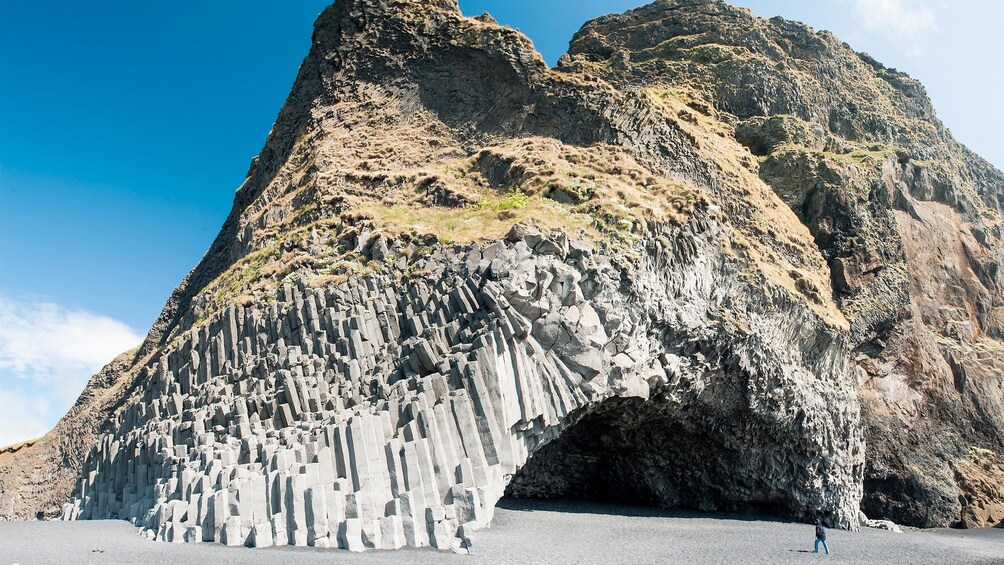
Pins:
x,y
772,237
490,220
401,171
585,191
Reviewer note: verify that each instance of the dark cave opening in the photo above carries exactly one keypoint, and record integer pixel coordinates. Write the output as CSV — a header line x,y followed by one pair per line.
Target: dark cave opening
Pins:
x,y
649,453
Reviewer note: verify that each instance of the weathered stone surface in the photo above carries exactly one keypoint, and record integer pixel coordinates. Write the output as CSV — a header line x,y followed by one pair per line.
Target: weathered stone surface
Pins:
x,y
981,479
907,218
884,525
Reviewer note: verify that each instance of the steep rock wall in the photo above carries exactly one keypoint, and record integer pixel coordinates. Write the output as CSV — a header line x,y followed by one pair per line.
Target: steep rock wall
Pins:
x,y
908,220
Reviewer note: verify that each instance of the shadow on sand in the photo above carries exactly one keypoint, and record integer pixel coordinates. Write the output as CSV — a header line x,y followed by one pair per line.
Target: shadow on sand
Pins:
x,y
579,506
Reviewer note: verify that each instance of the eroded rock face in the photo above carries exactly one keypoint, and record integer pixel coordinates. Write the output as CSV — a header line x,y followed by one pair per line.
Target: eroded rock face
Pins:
x,y
369,416
981,476
453,271
907,219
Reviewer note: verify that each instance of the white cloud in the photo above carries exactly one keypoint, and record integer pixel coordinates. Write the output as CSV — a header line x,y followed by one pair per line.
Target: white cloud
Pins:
x,y
21,416
904,22
47,354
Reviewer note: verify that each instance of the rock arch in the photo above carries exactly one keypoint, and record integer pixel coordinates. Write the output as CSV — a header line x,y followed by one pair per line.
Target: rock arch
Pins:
x,y
383,412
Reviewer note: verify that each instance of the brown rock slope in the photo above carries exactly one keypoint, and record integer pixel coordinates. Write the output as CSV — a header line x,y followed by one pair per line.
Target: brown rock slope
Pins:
x,y
818,184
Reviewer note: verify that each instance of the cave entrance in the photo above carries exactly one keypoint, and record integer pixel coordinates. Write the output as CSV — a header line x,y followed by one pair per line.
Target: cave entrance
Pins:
x,y
651,453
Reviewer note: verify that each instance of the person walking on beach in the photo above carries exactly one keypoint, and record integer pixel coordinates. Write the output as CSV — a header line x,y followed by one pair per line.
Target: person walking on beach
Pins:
x,y
821,537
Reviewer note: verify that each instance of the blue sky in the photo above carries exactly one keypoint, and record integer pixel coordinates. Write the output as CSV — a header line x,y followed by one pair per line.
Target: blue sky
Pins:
x,y
125,128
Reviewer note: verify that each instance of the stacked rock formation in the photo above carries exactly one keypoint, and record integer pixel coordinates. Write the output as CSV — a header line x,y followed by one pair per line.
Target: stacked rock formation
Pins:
x,y
361,416
453,274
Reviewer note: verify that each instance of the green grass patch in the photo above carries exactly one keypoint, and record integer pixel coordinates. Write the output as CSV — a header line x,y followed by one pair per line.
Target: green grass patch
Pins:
x,y
514,199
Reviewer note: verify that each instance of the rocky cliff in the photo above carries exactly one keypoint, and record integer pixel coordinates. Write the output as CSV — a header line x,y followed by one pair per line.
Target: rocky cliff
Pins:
x,y
709,261
907,219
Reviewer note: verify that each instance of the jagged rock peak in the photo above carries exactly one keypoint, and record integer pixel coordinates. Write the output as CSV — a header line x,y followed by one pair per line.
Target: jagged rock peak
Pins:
x,y
381,39
752,66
